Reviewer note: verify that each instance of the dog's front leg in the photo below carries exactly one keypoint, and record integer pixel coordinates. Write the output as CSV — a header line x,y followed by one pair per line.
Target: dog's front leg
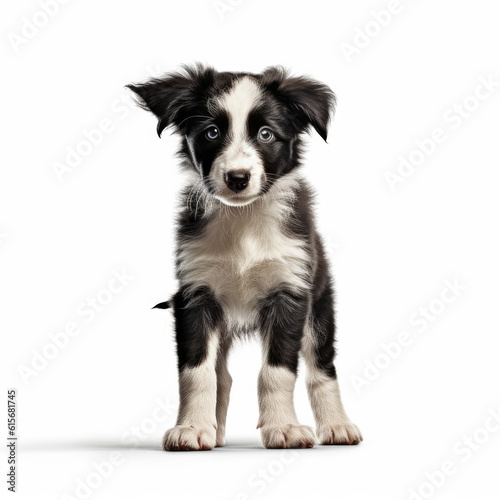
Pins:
x,y
282,320
197,319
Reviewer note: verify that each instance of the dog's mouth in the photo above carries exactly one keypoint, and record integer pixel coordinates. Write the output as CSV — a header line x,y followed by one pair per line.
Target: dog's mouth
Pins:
x,y
236,200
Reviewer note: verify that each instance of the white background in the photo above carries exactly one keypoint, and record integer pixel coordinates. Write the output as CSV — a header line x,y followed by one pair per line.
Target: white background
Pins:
x,y
393,250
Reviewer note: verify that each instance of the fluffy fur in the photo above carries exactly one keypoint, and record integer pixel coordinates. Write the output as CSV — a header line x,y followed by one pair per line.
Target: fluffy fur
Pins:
x,y
249,258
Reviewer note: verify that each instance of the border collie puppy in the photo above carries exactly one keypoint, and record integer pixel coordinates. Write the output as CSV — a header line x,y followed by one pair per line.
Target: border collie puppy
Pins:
x,y
248,254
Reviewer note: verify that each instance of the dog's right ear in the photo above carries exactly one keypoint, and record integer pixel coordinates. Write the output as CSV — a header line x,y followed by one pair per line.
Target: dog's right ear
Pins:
x,y
311,102
176,96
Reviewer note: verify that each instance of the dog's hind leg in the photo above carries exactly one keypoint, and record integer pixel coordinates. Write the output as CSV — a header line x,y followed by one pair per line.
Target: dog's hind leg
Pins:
x,y
332,423
224,383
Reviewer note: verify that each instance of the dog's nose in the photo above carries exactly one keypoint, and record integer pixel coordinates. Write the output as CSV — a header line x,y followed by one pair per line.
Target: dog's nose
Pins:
x,y
237,180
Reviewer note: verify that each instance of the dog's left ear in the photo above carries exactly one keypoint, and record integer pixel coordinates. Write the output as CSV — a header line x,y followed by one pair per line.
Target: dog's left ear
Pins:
x,y
176,96
311,102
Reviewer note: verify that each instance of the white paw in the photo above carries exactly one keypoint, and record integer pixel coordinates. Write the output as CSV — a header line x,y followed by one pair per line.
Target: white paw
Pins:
x,y
339,433
188,438
287,436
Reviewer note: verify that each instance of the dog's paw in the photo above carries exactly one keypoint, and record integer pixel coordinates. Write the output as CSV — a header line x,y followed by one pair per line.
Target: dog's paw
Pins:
x,y
339,433
288,436
189,438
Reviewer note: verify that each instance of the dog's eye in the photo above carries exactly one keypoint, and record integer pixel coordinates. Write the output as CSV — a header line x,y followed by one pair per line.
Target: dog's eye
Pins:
x,y
212,133
265,135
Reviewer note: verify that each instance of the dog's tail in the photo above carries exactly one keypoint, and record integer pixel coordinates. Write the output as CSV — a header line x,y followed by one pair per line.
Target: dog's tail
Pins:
x,y
163,305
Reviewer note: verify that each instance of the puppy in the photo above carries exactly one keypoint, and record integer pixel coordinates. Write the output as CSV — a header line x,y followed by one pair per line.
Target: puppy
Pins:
x,y
248,254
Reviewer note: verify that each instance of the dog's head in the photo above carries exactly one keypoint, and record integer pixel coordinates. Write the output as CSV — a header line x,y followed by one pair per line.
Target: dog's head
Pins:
x,y
241,132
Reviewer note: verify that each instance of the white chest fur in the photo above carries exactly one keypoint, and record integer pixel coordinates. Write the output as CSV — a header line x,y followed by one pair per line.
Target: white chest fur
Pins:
x,y
243,254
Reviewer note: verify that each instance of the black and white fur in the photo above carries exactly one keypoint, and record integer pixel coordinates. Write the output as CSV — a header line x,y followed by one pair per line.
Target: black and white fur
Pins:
x,y
248,254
